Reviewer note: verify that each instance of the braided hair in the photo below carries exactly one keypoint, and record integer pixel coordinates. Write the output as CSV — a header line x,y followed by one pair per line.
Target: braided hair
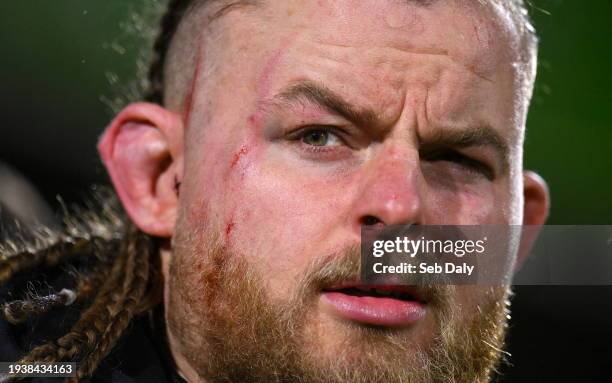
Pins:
x,y
118,277
115,267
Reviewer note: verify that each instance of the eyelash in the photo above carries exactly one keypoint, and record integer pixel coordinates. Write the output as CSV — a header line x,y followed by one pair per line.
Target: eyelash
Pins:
x,y
448,154
340,150
460,159
301,133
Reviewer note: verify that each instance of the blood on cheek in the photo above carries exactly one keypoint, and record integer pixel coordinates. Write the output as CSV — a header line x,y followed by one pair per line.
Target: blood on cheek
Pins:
x,y
247,154
228,228
239,162
244,149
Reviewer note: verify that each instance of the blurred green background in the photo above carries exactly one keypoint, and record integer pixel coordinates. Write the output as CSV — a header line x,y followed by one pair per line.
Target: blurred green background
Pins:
x,y
62,61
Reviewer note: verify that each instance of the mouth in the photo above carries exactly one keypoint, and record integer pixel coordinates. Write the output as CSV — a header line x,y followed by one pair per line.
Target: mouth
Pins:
x,y
375,305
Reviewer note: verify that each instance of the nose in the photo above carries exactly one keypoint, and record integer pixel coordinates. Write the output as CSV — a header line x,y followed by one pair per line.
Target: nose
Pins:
x,y
390,194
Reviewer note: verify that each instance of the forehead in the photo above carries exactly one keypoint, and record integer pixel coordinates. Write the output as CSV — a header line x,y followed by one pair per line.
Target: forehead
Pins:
x,y
376,51
477,34
474,33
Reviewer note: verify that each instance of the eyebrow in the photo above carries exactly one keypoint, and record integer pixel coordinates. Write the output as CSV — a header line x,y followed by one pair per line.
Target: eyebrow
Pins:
x,y
321,95
440,137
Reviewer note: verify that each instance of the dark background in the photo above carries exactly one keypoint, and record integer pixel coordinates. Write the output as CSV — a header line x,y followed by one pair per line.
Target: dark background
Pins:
x,y
63,62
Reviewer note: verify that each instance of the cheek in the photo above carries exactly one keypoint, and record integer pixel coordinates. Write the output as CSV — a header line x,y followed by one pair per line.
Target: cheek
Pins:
x,y
472,299
280,216
472,206
208,185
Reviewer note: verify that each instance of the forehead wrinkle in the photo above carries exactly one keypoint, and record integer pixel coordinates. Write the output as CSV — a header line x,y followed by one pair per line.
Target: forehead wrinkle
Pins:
x,y
442,53
393,54
308,91
487,18
475,24
391,65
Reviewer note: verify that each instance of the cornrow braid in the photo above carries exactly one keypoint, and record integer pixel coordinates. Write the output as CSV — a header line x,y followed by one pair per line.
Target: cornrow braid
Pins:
x,y
18,311
91,322
47,249
122,280
131,287
48,253
126,306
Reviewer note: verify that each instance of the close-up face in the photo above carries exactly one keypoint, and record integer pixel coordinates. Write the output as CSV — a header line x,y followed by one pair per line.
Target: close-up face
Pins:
x,y
303,122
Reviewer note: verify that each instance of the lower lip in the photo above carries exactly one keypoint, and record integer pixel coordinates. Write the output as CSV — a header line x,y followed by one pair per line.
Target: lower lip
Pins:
x,y
373,310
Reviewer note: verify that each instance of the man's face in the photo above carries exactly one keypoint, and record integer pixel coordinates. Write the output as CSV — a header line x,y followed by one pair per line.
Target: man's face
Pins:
x,y
309,120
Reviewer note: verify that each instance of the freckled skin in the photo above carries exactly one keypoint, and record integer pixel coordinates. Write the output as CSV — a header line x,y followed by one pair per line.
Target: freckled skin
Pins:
x,y
425,68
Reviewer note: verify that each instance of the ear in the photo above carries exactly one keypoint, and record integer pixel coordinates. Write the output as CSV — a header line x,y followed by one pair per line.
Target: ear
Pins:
x,y
142,150
535,212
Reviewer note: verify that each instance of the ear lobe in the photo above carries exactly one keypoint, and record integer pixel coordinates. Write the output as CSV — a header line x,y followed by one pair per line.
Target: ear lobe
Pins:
x,y
535,212
142,150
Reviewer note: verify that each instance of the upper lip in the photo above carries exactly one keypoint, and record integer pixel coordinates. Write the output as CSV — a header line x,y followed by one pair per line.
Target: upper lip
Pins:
x,y
412,292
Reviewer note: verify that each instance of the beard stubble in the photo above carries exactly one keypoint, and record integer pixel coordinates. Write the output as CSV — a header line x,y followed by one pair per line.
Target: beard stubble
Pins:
x,y
228,329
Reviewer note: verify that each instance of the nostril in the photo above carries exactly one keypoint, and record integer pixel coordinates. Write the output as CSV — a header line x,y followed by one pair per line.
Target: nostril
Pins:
x,y
370,220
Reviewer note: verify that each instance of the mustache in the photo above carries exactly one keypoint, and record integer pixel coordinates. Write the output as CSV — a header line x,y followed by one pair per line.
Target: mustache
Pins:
x,y
344,267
